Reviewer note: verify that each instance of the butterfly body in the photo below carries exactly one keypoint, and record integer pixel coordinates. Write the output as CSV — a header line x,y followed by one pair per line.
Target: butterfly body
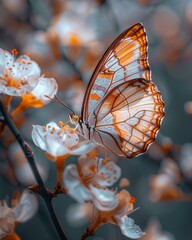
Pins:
x,y
122,109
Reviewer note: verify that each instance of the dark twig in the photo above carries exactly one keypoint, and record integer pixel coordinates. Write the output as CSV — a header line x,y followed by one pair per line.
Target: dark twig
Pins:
x,y
58,190
30,158
73,66
88,233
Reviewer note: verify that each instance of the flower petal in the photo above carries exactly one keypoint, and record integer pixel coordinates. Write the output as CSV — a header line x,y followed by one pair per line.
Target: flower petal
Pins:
x,y
103,199
38,136
27,70
83,148
70,137
55,147
46,138
25,175
45,86
74,186
77,214
6,226
12,91
26,208
108,174
7,220
6,61
129,228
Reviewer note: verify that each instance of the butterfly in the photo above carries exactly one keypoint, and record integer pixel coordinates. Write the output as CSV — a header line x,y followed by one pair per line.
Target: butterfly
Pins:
x,y
122,108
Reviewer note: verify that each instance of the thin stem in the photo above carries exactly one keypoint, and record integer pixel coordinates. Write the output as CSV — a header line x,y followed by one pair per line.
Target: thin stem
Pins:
x,y
60,166
55,220
30,158
74,67
88,233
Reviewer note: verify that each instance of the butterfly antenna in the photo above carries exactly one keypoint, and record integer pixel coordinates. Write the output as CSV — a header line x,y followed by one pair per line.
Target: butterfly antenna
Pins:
x,y
58,100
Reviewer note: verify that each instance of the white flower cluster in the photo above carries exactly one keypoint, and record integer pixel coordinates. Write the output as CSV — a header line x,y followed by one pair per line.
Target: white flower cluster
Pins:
x,y
23,211
20,76
88,181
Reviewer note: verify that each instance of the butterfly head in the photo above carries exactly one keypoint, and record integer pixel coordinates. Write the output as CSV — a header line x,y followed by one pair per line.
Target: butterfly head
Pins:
x,y
74,119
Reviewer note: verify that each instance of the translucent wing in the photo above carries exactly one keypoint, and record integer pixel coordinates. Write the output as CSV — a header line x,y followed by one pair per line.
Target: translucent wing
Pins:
x,y
128,118
126,59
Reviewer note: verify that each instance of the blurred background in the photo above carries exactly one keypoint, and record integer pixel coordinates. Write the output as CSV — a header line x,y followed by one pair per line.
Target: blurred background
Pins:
x,y
67,38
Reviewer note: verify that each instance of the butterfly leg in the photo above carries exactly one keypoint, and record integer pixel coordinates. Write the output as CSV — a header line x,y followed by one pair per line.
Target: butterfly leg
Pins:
x,y
62,124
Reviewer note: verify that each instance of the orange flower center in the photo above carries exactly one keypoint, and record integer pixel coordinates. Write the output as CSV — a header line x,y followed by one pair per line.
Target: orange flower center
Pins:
x,y
132,200
11,81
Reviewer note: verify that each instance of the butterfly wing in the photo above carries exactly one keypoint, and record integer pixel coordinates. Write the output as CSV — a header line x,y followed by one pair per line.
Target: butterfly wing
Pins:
x,y
128,117
125,59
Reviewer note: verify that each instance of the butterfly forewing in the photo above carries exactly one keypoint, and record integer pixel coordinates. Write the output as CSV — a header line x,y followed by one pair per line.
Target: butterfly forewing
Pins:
x,y
128,117
125,60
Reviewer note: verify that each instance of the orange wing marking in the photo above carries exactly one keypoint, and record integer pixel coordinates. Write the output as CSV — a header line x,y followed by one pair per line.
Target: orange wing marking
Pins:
x,y
95,96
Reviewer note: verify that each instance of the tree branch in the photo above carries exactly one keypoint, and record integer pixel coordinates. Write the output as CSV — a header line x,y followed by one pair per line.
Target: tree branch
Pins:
x,y
30,158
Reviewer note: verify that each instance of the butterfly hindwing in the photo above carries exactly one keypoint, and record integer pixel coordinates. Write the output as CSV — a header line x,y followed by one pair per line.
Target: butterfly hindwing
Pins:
x,y
126,59
128,118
